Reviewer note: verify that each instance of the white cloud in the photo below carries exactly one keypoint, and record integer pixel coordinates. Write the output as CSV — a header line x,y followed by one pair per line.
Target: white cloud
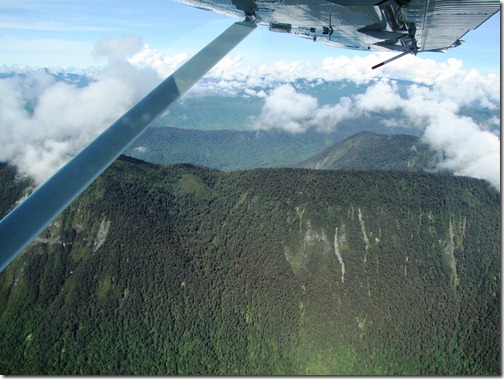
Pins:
x,y
118,49
328,117
64,117
382,96
261,93
356,69
163,64
468,148
250,92
230,68
287,110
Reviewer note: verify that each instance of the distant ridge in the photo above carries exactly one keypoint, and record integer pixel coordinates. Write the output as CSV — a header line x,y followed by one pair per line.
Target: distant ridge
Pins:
x,y
372,151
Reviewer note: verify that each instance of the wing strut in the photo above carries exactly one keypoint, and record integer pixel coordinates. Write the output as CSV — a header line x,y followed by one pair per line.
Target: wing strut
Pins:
x,y
29,218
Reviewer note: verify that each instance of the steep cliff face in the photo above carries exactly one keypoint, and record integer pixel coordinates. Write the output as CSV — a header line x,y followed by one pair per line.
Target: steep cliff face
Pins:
x,y
185,270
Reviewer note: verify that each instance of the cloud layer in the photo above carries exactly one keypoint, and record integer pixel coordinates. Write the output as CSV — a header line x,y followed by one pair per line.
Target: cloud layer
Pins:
x,y
469,149
43,122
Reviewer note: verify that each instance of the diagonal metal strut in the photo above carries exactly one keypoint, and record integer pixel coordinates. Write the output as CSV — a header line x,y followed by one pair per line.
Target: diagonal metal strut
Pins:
x,y
29,218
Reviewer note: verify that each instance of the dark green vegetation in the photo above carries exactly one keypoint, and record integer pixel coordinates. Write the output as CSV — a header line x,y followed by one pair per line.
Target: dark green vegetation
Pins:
x,y
12,188
186,270
371,151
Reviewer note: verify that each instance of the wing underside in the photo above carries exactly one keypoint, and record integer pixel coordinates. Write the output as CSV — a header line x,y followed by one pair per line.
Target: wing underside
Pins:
x,y
369,25
442,23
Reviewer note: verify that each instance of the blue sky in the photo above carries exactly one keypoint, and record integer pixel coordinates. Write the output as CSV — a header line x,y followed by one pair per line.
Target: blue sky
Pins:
x,y
56,33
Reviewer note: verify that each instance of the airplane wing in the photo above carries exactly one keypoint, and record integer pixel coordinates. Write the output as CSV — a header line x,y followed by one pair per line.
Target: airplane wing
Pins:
x,y
369,25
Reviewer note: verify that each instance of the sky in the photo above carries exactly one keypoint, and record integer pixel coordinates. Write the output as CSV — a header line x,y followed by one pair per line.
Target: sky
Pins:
x,y
63,34
129,46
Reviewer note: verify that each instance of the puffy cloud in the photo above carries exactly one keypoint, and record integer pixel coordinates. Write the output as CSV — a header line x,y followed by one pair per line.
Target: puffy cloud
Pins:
x,y
230,68
286,109
356,69
328,117
261,93
468,148
449,81
117,49
44,122
163,64
423,70
470,86
382,96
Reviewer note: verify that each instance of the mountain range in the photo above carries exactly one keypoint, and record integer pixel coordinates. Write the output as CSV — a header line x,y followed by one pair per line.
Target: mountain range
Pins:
x,y
182,269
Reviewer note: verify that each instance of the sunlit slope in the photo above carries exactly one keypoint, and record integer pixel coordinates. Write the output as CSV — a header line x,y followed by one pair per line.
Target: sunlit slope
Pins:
x,y
186,270
371,151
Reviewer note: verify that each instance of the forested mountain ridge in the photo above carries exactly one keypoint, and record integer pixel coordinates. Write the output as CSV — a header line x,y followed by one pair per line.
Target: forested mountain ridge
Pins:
x,y
372,151
187,270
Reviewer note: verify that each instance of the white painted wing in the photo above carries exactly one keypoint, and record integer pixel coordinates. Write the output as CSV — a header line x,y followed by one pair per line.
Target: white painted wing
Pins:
x,y
369,25
441,23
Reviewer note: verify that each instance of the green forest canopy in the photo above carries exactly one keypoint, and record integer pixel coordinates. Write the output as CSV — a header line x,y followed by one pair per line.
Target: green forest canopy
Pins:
x,y
187,270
